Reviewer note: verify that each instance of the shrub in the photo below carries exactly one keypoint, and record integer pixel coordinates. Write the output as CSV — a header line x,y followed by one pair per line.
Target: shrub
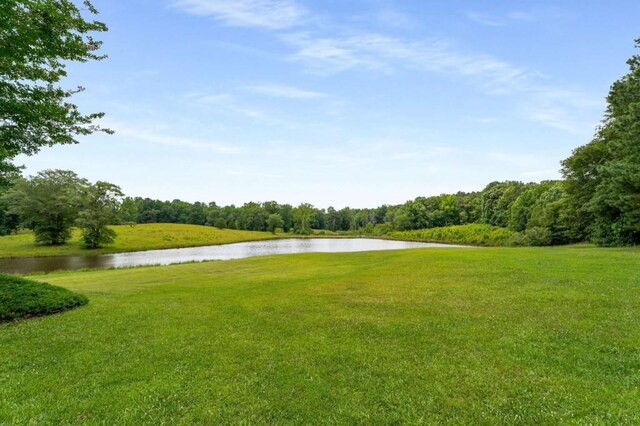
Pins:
x,y
537,236
518,239
383,229
21,298
473,234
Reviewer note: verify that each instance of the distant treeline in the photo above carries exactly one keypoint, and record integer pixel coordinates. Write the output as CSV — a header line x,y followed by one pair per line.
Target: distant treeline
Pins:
x,y
514,205
539,214
532,213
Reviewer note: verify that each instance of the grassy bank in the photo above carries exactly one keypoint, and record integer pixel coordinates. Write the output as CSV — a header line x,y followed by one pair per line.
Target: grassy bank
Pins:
x,y
492,336
132,238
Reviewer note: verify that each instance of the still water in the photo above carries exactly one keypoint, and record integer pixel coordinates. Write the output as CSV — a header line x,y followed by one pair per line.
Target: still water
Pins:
x,y
219,252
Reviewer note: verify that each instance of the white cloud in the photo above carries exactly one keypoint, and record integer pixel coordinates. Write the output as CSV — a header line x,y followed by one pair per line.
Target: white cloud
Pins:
x,y
331,55
498,21
226,102
484,19
156,136
207,98
556,118
563,109
375,51
554,107
521,16
336,53
394,19
280,91
271,14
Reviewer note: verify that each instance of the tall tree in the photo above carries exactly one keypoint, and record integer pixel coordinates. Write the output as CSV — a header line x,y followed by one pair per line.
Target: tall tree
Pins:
x,y
253,217
99,207
48,203
603,176
496,200
274,221
38,38
302,216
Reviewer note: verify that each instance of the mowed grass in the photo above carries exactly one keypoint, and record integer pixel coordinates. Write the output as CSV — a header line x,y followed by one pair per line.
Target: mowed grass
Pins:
x,y
132,238
466,336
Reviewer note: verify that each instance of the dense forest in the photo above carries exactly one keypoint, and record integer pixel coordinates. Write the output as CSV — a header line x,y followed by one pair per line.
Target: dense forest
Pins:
x,y
541,212
515,205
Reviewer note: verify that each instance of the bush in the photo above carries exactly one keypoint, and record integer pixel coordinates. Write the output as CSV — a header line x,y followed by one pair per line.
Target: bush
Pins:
x,y
537,236
383,229
22,298
473,234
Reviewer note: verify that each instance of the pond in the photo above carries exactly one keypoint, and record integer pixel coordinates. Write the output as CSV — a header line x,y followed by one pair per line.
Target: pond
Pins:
x,y
28,265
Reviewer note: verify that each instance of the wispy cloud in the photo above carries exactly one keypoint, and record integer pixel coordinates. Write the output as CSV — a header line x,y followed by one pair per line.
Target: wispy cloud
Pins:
x,y
396,19
332,55
562,109
375,51
389,18
342,50
226,102
498,20
271,14
555,117
484,19
521,16
157,136
281,91
555,107
229,103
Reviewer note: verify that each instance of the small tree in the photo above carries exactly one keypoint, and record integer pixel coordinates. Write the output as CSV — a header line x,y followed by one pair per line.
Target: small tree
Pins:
x,y
48,204
100,203
274,221
302,216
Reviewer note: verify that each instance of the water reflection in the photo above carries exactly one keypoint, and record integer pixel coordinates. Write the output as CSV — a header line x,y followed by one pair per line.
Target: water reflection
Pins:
x,y
219,252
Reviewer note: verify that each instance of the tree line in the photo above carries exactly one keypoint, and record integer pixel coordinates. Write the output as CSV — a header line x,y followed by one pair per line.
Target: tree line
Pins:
x,y
54,201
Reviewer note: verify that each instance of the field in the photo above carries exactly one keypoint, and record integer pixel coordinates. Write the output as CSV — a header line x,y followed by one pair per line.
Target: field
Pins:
x,y
132,238
467,336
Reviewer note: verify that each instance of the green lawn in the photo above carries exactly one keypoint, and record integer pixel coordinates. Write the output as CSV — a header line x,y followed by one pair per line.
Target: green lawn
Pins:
x,y
467,336
133,238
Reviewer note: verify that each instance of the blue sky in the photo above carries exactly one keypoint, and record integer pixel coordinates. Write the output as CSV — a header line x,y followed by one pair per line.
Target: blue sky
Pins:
x,y
335,102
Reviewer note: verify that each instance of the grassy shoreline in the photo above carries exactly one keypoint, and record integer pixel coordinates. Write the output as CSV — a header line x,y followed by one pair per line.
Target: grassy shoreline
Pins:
x,y
144,237
141,237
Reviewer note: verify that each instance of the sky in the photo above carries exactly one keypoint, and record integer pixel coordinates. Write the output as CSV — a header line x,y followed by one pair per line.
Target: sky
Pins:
x,y
341,103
